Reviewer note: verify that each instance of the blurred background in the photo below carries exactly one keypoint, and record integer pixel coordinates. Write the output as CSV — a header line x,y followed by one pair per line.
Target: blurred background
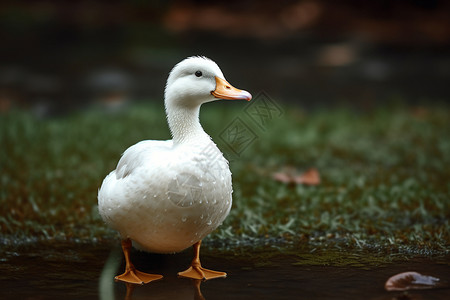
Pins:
x,y
354,161
58,57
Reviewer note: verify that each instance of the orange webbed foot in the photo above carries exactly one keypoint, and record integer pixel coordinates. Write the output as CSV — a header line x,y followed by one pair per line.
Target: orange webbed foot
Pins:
x,y
137,277
131,275
198,272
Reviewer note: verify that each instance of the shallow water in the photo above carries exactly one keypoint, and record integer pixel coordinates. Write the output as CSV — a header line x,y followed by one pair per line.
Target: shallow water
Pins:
x,y
65,271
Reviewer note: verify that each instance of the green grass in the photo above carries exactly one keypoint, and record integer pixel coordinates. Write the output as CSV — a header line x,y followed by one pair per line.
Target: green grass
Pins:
x,y
385,176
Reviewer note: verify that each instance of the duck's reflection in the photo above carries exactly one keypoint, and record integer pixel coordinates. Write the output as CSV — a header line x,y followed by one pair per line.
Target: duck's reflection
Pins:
x,y
198,292
175,289
170,287
130,289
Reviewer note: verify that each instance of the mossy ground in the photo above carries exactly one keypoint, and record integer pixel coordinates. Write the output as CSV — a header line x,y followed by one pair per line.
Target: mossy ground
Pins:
x,y
385,176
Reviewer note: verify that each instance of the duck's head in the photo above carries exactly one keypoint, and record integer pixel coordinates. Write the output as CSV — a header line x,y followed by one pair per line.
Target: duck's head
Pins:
x,y
197,80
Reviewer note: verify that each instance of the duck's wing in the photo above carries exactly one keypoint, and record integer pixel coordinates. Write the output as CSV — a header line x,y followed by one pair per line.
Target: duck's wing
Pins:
x,y
136,155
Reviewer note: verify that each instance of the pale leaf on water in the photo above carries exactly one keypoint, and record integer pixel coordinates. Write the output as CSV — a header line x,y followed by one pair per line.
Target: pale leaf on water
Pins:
x,y
411,281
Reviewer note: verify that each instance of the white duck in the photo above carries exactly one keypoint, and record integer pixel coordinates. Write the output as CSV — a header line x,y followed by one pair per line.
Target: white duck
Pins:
x,y
166,196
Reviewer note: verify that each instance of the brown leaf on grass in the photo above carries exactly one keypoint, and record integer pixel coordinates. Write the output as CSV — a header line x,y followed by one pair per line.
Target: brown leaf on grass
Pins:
x,y
310,177
420,113
411,281
289,175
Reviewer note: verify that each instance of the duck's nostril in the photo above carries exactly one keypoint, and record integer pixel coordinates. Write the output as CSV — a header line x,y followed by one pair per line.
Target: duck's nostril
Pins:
x,y
227,87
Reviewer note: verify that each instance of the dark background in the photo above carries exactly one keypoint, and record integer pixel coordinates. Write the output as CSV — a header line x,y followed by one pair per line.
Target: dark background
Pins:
x,y
58,57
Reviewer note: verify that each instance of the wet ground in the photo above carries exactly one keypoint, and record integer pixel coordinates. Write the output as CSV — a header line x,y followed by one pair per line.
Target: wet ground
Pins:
x,y
66,271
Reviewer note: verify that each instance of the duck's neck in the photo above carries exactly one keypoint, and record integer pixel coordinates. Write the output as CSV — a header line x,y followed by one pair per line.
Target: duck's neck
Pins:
x,y
184,124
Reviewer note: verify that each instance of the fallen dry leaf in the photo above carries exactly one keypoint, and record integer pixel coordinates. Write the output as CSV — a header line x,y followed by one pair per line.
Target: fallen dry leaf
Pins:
x,y
420,113
411,281
282,177
310,177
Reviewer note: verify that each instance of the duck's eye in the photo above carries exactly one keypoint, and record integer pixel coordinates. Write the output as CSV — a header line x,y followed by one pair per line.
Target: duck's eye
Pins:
x,y
198,73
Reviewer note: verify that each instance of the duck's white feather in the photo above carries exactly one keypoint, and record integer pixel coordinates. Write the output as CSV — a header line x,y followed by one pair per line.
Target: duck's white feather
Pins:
x,y
137,154
173,198
167,195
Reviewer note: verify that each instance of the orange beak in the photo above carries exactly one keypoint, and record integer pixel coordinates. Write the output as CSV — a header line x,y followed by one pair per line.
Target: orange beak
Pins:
x,y
224,90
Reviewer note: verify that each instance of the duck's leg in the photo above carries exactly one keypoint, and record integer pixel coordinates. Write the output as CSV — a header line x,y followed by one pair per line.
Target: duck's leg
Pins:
x,y
132,275
196,271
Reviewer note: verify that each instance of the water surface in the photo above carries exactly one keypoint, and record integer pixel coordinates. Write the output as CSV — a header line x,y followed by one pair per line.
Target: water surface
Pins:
x,y
66,271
